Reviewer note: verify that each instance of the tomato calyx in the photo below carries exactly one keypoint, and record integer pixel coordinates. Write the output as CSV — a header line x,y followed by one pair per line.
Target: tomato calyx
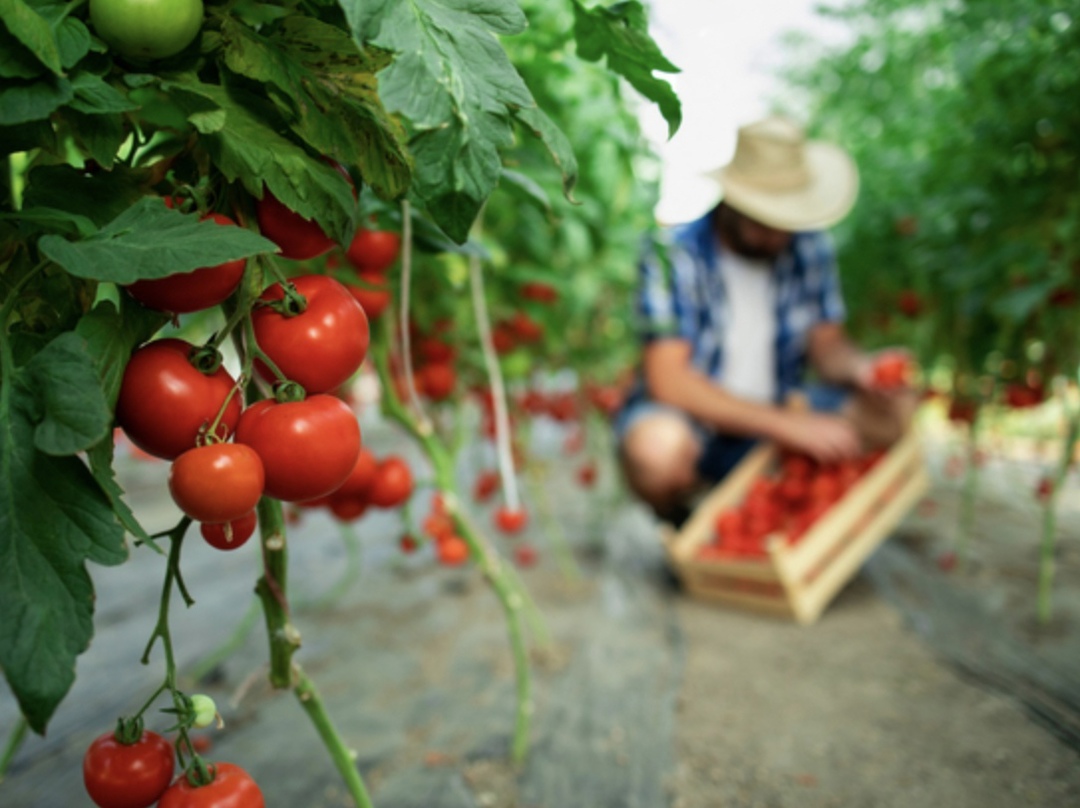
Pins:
x,y
206,359
288,392
129,730
291,304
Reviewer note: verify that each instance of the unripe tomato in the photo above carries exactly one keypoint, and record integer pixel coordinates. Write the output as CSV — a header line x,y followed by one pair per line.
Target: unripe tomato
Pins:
x,y
393,483
147,29
373,251
165,401
232,534
297,238
232,787
321,347
219,482
192,291
119,775
308,447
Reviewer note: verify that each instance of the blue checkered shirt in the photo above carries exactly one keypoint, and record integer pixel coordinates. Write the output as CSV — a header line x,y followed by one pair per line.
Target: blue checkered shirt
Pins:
x,y
688,300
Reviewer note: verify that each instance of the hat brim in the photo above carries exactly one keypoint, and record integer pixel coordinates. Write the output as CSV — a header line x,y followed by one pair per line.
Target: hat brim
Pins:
x,y
827,199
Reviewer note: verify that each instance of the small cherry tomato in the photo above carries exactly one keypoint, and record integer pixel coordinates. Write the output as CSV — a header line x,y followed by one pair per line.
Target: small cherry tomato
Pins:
x,y
511,521
321,347
393,483
452,551
166,402
230,535
219,482
373,251
119,775
525,556
308,447
232,787
436,381
192,291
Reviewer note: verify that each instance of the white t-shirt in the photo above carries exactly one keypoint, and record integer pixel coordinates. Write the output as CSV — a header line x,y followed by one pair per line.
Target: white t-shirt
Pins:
x,y
749,369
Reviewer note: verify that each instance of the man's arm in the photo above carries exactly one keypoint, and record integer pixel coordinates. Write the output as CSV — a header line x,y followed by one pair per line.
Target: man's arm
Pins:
x,y
672,379
836,358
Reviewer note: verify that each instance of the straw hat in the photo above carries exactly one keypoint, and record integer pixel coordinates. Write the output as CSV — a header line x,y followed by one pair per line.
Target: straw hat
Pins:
x,y
781,179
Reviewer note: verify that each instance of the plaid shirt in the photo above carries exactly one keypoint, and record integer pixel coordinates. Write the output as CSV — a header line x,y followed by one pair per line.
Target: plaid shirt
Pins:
x,y
688,301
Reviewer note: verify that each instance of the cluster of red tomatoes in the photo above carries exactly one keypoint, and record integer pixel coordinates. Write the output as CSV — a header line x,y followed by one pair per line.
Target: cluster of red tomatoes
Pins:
x,y
385,483
451,549
140,774
433,361
787,502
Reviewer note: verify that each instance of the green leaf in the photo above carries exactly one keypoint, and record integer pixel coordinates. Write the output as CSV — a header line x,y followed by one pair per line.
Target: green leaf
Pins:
x,y
246,149
23,102
326,88
71,36
525,187
100,135
53,518
621,33
52,220
111,336
101,466
556,142
16,60
149,241
1019,304
461,118
94,96
65,384
27,136
100,197
33,31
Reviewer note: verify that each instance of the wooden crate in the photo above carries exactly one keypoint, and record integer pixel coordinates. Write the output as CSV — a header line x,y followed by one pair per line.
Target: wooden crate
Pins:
x,y
799,580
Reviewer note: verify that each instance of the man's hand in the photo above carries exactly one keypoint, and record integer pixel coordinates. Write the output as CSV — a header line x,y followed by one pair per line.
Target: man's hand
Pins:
x,y
826,438
887,372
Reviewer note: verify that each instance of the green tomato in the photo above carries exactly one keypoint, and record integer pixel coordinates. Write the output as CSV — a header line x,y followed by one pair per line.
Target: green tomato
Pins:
x,y
147,29
204,709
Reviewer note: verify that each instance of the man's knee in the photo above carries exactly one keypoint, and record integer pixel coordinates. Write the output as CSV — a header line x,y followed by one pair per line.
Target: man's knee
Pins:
x,y
659,455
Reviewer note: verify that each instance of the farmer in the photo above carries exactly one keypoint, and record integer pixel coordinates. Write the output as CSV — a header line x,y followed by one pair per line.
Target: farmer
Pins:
x,y
746,303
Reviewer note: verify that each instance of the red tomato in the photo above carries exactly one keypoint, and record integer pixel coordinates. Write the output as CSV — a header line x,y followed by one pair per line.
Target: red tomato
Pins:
x,y
891,371
587,475
525,555
361,477
502,337
308,448
452,551
540,292
434,350
909,303
348,509
120,775
165,402
408,544
297,238
436,381
509,521
232,787
439,526
487,483
218,482
373,250
230,535
526,329
393,483
321,347
373,294
192,291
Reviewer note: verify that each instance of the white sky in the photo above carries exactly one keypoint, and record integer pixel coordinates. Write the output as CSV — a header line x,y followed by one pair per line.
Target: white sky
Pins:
x,y
726,51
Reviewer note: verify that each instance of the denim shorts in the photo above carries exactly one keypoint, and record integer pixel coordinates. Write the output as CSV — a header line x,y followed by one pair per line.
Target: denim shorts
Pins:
x,y
720,453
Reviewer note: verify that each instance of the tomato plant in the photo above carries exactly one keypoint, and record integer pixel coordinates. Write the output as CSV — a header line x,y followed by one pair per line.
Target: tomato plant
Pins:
x,y
218,482
319,343
127,775
147,29
166,402
232,787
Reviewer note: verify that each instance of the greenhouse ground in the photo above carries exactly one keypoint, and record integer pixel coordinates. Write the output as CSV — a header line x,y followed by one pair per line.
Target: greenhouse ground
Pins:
x,y
918,687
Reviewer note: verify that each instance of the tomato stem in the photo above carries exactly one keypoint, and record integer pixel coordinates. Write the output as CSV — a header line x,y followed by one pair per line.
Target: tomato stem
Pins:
x,y
271,588
403,316
14,742
1047,562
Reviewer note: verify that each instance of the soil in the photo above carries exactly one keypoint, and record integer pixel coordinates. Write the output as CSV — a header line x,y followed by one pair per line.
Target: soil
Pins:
x,y
923,684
